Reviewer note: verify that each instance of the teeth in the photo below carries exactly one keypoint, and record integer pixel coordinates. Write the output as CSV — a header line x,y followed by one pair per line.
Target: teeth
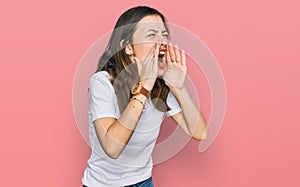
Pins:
x,y
162,52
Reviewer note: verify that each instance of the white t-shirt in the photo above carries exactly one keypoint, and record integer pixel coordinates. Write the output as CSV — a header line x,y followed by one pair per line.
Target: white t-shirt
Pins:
x,y
135,162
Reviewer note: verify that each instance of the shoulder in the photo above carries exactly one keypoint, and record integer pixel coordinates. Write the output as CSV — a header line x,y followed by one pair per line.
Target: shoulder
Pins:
x,y
100,76
101,79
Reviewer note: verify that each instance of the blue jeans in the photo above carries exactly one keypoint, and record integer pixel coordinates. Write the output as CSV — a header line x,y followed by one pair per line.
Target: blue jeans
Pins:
x,y
146,183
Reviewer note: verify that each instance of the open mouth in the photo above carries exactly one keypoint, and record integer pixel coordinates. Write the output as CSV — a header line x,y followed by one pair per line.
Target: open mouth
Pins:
x,y
161,53
161,58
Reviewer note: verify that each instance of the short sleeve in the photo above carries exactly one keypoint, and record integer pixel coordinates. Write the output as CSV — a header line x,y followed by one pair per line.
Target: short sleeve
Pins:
x,y
102,97
173,104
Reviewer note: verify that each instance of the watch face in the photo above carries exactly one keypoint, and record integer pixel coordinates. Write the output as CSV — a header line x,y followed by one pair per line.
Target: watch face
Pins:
x,y
136,88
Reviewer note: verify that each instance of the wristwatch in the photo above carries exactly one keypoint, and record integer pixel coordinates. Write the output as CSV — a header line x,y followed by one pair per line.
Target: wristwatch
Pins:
x,y
138,88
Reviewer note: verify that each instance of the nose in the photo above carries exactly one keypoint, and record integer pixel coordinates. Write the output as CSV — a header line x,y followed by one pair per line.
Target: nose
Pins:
x,y
163,40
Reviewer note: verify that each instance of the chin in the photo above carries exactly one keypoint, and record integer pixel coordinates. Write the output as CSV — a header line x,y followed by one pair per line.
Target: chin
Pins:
x,y
161,72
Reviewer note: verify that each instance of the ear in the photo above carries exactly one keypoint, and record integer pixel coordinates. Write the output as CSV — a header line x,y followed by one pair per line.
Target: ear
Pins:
x,y
128,48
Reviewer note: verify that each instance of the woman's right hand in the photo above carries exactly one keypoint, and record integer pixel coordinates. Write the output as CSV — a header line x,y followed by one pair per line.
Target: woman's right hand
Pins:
x,y
148,68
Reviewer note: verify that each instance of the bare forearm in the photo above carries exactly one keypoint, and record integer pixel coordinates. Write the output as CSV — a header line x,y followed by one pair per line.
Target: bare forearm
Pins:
x,y
119,133
195,121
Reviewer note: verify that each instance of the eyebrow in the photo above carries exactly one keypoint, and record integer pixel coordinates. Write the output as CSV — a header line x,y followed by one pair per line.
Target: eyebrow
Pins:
x,y
155,30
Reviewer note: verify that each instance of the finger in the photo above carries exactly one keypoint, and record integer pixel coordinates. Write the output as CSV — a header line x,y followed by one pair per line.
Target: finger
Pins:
x,y
155,59
151,56
177,54
156,51
151,63
168,54
172,53
164,60
146,62
151,52
183,61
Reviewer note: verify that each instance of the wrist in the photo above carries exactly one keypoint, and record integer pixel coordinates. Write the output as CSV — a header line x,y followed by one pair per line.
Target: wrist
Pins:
x,y
140,88
140,97
177,89
148,84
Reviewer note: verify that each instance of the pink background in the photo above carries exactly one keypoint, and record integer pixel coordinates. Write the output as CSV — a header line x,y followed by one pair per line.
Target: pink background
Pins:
x,y
256,44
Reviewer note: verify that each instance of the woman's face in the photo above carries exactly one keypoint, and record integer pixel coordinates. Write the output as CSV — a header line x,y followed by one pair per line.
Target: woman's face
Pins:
x,y
149,30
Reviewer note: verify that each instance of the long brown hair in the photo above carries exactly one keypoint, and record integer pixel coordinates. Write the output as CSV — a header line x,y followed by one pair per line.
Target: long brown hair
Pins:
x,y
124,73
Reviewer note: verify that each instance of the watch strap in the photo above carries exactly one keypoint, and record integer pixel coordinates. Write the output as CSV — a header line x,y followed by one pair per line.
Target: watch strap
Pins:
x,y
144,91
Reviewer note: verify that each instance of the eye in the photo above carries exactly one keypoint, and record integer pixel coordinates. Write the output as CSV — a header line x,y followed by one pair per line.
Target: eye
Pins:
x,y
151,34
166,35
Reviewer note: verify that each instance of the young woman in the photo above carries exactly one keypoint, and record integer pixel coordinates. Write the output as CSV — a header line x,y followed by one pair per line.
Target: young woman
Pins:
x,y
140,78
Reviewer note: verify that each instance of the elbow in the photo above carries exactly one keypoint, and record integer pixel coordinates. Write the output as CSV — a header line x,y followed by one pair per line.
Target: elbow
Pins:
x,y
110,150
114,156
112,153
201,132
199,138
201,135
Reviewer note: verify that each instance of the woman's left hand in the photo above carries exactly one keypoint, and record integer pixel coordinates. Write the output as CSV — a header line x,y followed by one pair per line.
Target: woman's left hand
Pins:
x,y
175,74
